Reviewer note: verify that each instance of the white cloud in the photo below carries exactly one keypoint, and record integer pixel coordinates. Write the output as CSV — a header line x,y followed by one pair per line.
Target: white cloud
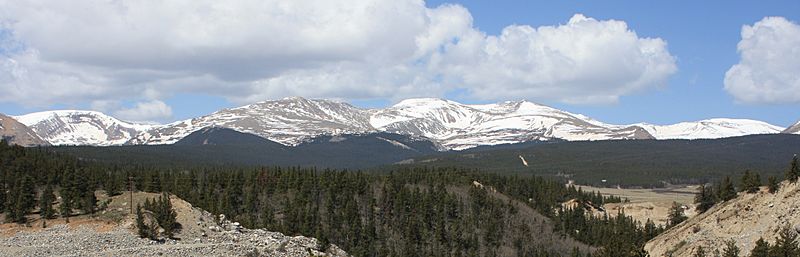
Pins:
x,y
145,112
583,61
769,69
250,50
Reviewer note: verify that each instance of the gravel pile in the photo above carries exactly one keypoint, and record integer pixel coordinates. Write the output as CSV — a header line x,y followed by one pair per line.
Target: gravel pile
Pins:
x,y
59,240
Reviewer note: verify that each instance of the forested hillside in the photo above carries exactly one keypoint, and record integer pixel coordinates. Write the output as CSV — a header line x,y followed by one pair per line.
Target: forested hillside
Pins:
x,y
220,146
406,212
649,163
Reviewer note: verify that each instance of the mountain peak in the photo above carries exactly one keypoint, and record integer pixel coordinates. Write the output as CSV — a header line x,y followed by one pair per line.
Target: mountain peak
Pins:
x,y
78,127
424,101
710,128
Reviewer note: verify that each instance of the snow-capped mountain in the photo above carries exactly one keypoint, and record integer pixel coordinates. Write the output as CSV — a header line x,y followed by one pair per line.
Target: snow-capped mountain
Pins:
x,y
710,128
288,121
18,133
794,129
460,126
291,121
70,127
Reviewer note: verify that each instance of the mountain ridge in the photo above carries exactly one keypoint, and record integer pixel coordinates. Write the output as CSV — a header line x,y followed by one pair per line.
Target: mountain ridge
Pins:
x,y
794,129
17,133
78,127
456,126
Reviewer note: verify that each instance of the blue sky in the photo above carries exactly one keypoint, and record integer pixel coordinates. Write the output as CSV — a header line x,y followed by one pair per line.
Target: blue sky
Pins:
x,y
702,36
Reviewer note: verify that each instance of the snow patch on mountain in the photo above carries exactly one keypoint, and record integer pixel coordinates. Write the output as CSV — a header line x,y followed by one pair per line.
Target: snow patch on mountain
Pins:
x,y
460,126
288,121
73,127
710,128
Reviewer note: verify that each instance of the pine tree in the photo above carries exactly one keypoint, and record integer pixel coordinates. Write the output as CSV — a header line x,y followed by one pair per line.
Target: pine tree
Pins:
x,y
750,182
773,184
731,250
675,215
704,198
744,183
142,228
3,194
46,210
761,249
167,217
113,183
700,252
785,245
726,190
25,199
794,170
65,209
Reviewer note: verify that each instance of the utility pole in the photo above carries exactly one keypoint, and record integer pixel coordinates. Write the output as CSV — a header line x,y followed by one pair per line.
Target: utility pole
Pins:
x,y
130,188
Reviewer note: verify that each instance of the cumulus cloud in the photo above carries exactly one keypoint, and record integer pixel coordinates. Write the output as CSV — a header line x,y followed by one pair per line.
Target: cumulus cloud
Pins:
x,y
248,50
582,61
145,112
768,71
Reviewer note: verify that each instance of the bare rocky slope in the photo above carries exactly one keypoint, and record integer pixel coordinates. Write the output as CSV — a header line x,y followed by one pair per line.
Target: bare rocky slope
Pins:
x,y
794,129
113,233
744,219
17,133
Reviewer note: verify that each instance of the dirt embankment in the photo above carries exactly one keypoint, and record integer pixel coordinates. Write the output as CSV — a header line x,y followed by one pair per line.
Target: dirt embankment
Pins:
x,y
744,219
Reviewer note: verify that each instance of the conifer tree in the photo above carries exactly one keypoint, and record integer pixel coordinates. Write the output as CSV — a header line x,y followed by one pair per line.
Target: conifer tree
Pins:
x,y
773,184
25,199
731,250
750,182
166,216
3,195
786,244
675,215
704,198
726,190
142,228
46,210
761,249
65,208
794,170
700,252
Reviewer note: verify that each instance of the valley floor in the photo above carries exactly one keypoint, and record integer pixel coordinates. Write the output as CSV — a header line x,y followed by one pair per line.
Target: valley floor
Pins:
x,y
653,204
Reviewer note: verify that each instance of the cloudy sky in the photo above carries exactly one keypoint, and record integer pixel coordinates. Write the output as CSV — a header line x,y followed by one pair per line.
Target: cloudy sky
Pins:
x,y
617,61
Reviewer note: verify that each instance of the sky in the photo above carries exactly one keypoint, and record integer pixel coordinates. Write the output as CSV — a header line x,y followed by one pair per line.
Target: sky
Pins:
x,y
620,62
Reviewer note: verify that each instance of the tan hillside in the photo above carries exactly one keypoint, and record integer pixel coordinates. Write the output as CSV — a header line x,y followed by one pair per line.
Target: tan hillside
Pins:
x,y
744,219
18,133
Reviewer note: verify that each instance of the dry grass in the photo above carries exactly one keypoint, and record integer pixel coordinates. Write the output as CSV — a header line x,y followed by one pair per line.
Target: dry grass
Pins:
x,y
650,204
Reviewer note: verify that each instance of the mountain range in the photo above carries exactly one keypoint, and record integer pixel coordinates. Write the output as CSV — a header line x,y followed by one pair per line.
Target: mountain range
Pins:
x,y
451,125
18,133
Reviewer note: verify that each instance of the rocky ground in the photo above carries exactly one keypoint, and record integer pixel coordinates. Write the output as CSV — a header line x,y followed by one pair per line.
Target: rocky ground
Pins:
x,y
744,219
112,233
